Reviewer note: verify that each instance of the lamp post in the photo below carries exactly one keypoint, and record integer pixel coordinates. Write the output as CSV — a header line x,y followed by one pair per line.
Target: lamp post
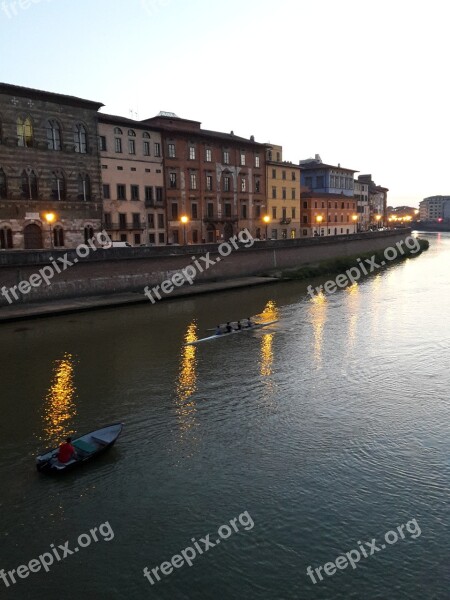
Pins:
x,y
50,217
378,218
319,220
266,220
184,219
355,218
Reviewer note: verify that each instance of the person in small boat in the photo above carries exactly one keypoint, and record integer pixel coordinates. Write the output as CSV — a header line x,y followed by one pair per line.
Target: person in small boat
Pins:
x,y
228,327
66,451
238,326
218,330
249,322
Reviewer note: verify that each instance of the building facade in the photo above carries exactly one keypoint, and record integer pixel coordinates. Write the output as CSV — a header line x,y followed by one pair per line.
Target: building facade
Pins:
x,y
132,181
50,192
435,208
378,216
215,182
283,195
361,195
327,199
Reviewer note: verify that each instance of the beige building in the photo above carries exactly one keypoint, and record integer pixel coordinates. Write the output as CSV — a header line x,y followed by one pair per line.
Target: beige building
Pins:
x,y
283,195
132,181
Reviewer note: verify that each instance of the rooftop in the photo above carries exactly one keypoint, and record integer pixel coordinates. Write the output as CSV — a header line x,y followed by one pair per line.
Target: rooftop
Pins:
x,y
17,90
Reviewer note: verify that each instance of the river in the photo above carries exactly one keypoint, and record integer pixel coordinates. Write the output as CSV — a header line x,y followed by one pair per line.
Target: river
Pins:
x,y
322,432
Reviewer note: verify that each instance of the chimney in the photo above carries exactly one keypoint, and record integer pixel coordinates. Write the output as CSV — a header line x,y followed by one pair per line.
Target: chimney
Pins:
x,y
252,138
231,132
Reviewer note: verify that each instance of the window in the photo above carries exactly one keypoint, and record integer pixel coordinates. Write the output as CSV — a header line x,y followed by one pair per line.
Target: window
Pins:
x,y
118,145
332,183
305,205
106,191
53,135
151,221
102,143
58,186
6,238
3,185
80,138
29,185
146,148
274,212
320,181
161,238
195,236
257,211
107,219
120,168
146,135
226,184
308,182
121,192
58,236
244,211
193,180
210,210
136,220
171,150
283,174
131,133
208,155
274,235
227,208
122,220
174,211
243,184
257,163
137,239
226,157
209,183
284,234
284,194
293,176
293,213
172,180
194,211
24,132
157,149
131,147
176,236
159,194
117,131
242,159
88,233
191,153
304,232
84,188
305,219
135,192
293,194
293,234
274,173
257,186
274,193
160,221
278,156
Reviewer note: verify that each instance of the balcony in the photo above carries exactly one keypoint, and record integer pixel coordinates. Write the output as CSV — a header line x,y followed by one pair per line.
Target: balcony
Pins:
x,y
285,221
222,219
125,226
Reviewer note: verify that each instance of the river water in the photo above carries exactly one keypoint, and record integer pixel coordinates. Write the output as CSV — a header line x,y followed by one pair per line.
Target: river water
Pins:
x,y
324,431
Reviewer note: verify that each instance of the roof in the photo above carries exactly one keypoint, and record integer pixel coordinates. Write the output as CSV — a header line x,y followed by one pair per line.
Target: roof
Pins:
x,y
17,90
313,165
117,120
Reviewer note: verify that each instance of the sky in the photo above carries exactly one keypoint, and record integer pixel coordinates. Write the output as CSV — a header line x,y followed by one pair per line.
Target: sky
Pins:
x,y
363,83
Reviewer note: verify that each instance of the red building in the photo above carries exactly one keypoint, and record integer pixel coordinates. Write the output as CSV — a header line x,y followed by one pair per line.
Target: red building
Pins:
x,y
215,182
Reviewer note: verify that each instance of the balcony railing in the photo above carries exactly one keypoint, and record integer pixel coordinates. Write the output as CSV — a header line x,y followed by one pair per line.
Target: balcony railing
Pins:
x,y
221,219
125,226
285,221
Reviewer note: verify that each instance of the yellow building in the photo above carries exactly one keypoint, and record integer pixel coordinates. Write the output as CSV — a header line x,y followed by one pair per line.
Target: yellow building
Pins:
x,y
283,195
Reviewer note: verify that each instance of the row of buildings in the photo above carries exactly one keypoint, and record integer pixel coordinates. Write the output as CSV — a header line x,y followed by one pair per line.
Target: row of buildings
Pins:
x,y
68,170
435,208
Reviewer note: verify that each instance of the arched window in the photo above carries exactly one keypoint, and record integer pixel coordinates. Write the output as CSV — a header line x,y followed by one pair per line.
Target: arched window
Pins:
x,y
53,135
58,236
6,239
80,138
29,185
88,233
146,135
84,188
131,133
24,132
58,186
32,237
3,186
117,131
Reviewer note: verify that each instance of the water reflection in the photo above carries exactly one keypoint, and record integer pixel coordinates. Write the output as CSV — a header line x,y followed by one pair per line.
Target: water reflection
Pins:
x,y
352,294
270,312
318,315
187,380
60,406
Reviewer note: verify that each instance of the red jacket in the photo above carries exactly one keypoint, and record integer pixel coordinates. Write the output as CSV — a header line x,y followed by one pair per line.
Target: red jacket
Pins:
x,y
66,452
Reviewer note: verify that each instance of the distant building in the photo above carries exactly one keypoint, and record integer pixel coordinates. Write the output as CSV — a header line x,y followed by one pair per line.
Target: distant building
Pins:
x,y
434,208
49,164
361,195
377,202
328,206
283,195
216,181
133,181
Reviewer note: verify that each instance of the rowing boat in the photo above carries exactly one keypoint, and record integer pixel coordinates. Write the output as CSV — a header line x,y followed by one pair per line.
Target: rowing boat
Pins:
x,y
87,447
222,335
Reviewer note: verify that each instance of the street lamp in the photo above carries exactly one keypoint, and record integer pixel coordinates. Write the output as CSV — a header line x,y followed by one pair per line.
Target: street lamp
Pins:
x,y
319,220
50,217
266,220
184,219
378,217
355,218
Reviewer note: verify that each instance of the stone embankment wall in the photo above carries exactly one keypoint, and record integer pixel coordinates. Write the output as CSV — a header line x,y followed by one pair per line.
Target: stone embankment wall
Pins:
x,y
131,269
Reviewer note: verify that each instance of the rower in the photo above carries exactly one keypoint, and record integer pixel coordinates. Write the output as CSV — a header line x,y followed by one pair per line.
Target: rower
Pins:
x,y
249,322
228,327
239,326
218,330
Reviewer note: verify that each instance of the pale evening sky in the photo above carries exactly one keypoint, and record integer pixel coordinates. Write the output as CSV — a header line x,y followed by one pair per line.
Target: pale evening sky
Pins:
x,y
362,83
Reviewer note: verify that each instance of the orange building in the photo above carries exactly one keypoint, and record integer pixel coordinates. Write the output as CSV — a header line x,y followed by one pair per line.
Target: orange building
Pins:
x,y
327,214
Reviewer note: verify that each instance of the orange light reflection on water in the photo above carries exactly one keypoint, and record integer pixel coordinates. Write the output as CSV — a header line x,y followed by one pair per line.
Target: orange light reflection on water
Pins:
x,y
187,380
60,400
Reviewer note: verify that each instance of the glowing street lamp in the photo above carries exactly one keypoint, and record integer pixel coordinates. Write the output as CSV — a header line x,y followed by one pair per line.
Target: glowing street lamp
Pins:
x,y
354,219
319,220
378,217
184,219
266,220
50,217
